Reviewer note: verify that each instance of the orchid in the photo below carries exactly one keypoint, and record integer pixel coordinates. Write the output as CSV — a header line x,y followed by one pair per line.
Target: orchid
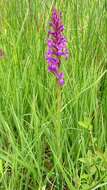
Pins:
x,y
57,46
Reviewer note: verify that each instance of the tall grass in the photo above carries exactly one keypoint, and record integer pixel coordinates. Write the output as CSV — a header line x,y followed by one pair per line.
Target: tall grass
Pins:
x,y
28,153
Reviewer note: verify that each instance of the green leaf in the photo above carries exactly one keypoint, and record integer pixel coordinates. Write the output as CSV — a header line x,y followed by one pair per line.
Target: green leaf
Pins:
x,y
86,123
93,170
83,160
1,167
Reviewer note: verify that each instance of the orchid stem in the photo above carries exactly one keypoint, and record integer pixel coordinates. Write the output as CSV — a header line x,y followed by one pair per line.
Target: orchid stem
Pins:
x,y
58,122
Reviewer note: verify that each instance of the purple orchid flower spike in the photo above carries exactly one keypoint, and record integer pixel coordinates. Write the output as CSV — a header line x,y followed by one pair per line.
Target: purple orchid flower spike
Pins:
x,y
57,46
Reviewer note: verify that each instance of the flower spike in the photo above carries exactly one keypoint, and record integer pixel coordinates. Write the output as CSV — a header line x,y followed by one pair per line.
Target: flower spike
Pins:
x,y
57,46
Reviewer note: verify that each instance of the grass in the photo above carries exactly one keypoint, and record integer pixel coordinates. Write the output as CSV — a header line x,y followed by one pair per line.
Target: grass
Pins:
x,y
28,145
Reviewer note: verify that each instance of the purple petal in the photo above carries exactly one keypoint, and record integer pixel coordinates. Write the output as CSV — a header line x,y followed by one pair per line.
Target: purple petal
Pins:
x,y
52,68
61,28
61,75
61,82
60,53
52,60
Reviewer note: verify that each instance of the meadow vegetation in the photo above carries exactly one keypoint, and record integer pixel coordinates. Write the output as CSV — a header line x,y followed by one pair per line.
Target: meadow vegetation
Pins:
x,y
28,123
